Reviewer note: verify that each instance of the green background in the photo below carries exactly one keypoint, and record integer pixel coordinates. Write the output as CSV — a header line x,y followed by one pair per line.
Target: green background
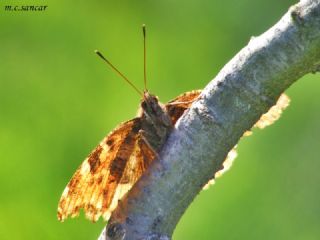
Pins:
x,y
58,100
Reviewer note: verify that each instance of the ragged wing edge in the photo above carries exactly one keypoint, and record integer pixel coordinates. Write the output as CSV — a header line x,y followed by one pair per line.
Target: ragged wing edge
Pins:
x,y
88,187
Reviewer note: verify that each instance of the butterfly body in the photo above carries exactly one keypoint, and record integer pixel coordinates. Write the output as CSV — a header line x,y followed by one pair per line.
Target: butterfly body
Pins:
x,y
155,122
120,159
122,156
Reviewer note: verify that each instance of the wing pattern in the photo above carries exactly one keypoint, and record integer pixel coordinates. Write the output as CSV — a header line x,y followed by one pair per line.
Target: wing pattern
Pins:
x,y
111,170
106,174
176,107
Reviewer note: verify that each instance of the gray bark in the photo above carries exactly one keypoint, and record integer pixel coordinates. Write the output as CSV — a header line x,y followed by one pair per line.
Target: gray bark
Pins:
x,y
229,105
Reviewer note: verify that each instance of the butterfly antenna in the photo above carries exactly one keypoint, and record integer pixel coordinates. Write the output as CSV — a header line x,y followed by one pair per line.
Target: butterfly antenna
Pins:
x,y
144,56
115,69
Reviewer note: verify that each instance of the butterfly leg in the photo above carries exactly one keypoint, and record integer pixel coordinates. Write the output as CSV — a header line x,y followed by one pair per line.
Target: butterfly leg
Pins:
x,y
181,103
143,133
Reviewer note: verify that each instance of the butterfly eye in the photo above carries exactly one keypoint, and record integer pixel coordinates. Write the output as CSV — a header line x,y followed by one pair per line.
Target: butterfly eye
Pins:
x,y
144,105
155,99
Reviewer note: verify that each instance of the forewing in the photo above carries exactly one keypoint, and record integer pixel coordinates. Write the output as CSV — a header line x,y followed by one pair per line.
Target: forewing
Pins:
x,y
176,107
138,162
105,175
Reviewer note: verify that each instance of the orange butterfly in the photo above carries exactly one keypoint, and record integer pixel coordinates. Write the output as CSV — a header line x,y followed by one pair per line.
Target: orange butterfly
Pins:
x,y
120,159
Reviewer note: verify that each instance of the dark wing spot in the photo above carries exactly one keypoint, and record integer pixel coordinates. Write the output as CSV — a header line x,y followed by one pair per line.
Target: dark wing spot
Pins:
x,y
105,193
109,142
175,113
91,208
99,180
76,209
72,185
62,203
94,159
111,148
117,166
177,106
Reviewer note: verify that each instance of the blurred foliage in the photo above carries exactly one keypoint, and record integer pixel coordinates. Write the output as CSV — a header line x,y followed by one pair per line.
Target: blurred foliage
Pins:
x,y
57,100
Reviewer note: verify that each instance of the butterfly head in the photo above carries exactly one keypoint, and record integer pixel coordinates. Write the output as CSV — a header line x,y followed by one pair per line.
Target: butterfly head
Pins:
x,y
153,109
150,103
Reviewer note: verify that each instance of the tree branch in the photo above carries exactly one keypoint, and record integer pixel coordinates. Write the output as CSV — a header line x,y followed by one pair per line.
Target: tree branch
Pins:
x,y
230,104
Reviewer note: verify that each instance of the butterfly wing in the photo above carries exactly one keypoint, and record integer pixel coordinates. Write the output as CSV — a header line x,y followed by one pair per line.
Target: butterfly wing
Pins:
x,y
120,159
176,107
106,174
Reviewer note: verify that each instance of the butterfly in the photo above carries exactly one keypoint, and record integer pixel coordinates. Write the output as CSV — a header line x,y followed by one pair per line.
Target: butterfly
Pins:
x,y
120,159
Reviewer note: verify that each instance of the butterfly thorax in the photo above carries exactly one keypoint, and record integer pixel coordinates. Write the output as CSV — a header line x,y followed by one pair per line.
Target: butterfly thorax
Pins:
x,y
120,159
155,122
